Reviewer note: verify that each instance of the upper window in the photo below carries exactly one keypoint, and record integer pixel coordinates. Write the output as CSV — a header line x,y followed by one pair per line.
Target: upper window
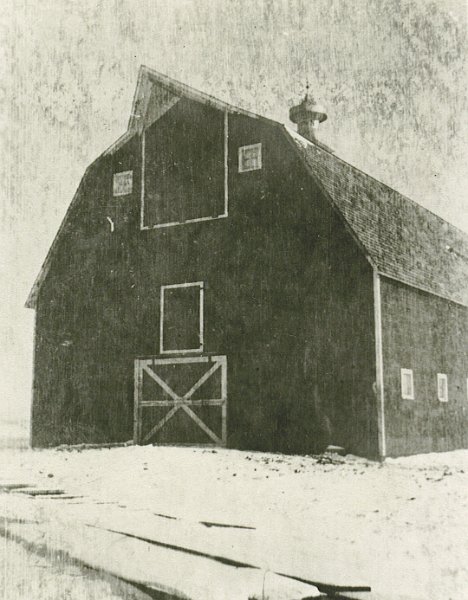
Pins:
x,y
181,325
442,387
407,384
184,166
250,158
122,183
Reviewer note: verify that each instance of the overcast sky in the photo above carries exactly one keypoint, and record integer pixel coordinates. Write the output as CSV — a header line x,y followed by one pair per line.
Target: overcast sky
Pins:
x,y
391,73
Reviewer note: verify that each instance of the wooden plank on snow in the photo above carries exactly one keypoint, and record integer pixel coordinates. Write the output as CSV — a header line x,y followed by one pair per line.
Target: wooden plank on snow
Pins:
x,y
167,570
12,485
40,491
237,548
233,545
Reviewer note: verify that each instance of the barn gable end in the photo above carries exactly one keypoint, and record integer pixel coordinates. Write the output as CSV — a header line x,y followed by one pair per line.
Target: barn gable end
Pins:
x,y
265,275
278,257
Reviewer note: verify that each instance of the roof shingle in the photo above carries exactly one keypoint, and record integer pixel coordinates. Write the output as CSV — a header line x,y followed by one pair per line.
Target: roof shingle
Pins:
x,y
402,239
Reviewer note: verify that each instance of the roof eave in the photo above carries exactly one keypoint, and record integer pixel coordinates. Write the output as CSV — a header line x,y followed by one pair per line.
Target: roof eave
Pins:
x,y
421,288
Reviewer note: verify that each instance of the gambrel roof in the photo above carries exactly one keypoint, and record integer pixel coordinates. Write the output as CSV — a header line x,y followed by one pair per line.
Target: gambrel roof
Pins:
x,y
401,239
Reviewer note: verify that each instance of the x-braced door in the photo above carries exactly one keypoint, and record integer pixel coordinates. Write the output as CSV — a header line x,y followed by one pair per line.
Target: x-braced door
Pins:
x,y
181,400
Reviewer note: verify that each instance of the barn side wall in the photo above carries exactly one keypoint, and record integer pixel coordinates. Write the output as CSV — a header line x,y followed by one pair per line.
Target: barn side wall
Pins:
x,y
339,357
429,335
288,300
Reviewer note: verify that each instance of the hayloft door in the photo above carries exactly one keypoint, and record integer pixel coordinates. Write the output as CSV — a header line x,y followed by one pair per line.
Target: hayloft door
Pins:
x,y
181,400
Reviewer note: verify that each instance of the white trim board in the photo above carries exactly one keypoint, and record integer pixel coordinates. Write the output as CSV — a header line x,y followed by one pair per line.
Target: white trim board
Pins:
x,y
142,183
181,360
379,366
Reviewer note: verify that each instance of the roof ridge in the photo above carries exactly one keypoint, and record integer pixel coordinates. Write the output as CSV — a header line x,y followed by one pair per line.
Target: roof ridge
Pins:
x,y
190,91
172,83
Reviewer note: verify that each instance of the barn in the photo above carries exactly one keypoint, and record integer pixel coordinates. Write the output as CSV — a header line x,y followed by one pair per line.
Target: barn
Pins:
x,y
221,278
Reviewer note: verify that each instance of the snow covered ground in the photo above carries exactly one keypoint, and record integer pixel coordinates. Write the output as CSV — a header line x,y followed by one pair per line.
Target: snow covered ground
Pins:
x,y
25,575
402,526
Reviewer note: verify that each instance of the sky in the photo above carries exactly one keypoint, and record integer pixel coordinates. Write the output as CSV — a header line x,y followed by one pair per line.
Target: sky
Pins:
x,y
391,74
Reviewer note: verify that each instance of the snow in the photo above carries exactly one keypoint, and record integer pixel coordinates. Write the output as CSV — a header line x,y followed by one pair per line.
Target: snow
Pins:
x,y
29,576
179,574
400,527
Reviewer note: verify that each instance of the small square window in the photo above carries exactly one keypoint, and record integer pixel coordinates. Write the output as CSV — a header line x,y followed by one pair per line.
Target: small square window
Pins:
x,y
122,183
442,387
250,158
407,384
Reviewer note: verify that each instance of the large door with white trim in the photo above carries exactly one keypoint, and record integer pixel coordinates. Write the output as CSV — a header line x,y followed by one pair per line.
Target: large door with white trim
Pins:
x,y
181,400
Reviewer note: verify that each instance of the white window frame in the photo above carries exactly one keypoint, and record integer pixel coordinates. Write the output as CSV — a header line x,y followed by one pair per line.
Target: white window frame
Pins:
x,y
199,284
403,374
442,377
144,227
242,149
122,173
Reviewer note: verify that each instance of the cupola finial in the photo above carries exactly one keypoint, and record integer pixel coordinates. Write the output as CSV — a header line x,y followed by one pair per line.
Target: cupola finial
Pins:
x,y
308,115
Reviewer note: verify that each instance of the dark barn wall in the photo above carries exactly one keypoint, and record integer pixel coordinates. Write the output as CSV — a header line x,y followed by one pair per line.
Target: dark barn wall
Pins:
x,y
82,377
429,335
339,360
310,313
337,329
288,299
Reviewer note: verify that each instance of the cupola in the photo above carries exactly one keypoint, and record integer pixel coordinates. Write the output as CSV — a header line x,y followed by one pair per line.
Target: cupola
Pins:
x,y
308,115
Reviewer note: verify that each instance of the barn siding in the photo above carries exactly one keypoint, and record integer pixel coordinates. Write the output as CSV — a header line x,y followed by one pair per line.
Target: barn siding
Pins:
x,y
288,299
80,393
429,335
339,355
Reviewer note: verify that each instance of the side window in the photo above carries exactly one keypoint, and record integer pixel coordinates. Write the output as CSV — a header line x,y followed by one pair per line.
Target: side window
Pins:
x,y
407,384
181,314
122,183
250,158
442,387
